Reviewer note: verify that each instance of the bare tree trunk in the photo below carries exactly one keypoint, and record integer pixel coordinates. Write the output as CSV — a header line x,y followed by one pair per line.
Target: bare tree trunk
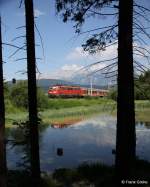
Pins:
x,y
126,142
3,168
32,93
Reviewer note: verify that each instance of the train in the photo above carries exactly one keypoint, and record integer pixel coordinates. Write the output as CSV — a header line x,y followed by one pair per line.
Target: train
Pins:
x,y
75,91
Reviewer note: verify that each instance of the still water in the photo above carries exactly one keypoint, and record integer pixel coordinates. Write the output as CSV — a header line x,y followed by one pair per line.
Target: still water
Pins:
x,y
86,141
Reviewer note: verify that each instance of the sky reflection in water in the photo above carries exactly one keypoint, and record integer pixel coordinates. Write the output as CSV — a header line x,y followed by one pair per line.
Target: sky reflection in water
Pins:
x,y
86,141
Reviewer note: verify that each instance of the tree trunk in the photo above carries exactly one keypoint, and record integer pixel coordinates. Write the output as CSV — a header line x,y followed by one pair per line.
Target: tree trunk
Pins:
x,y
3,168
125,139
32,93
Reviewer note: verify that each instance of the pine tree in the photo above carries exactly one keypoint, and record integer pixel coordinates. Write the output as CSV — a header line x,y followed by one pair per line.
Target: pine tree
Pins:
x,y
78,11
32,94
3,167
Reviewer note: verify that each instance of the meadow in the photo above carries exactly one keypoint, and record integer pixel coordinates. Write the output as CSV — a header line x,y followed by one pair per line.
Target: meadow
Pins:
x,y
60,110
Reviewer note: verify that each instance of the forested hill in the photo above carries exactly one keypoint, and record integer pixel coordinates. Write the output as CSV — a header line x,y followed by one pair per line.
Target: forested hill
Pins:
x,y
46,83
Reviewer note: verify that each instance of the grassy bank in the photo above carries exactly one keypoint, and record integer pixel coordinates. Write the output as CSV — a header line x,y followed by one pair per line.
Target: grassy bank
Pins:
x,y
76,102
76,113
142,111
64,110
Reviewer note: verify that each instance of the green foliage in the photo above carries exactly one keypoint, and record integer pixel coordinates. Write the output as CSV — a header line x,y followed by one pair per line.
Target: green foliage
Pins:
x,y
42,99
113,94
19,96
10,108
85,175
58,103
145,78
142,86
6,90
94,174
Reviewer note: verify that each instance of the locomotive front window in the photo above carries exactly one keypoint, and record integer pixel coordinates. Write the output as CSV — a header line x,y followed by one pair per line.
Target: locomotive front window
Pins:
x,y
55,88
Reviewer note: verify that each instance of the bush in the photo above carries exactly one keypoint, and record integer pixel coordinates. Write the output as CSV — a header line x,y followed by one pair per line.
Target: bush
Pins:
x,y
42,99
142,91
10,108
19,96
113,94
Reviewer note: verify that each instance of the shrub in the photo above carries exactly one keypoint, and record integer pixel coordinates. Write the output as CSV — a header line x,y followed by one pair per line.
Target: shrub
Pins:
x,y
19,96
113,94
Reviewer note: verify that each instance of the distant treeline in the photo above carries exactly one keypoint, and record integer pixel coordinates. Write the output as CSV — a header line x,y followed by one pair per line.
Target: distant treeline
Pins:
x,y
141,87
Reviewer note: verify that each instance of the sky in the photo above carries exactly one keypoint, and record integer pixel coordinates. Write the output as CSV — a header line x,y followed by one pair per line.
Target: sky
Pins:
x,y
62,55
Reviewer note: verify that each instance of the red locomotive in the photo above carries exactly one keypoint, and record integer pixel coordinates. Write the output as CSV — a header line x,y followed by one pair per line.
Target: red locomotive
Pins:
x,y
75,91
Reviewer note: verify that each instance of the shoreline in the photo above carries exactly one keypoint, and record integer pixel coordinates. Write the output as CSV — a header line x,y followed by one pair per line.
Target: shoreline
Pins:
x,y
72,114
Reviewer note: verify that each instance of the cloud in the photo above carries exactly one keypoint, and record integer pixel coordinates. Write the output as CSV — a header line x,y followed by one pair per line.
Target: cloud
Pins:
x,y
77,54
65,72
73,68
38,13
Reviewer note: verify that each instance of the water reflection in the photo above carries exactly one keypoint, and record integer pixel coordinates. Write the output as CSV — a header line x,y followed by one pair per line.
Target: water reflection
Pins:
x,y
66,145
143,125
139,124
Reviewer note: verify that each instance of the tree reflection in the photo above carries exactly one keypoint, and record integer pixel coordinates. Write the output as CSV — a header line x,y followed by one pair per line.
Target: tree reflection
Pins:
x,y
18,138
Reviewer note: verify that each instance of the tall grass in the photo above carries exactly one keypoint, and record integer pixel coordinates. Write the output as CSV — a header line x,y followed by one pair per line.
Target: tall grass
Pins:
x,y
142,104
58,103
60,109
74,113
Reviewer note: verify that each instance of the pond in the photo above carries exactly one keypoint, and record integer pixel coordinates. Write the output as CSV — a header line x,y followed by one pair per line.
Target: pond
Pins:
x,y
83,142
